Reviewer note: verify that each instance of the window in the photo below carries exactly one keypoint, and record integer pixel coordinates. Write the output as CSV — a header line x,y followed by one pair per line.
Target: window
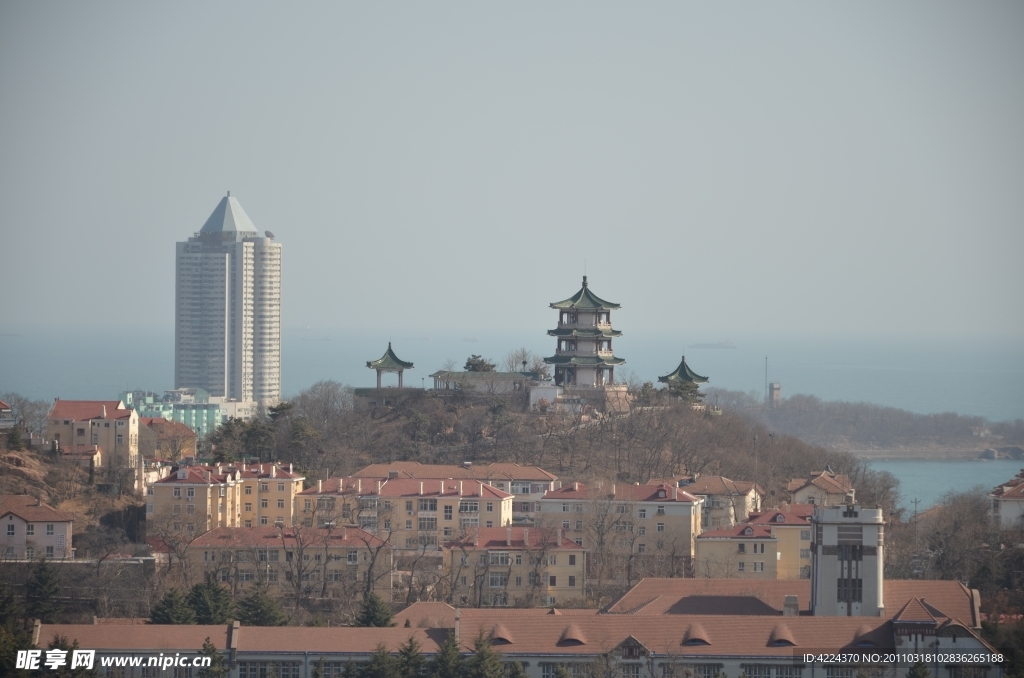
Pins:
x,y
661,527
120,439
579,525
280,487
307,505
264,487
499,558
759,566
740,566
742,548
497,580
190,510
176,509
190,493
280,503
553,559
469,507
408,524
490,523
428,523
641,548
408,507
565,508
805,554
177,493
805,535
448,532
263,503
352,558
248,489
49,552
245,575
579,541
641,531
552,580
572,580
519,559
248,506
263,520
428,504
448,512
565,524
30,553
572,560
849,589
30,529
630,670
620,509
661,510
490,507
519,581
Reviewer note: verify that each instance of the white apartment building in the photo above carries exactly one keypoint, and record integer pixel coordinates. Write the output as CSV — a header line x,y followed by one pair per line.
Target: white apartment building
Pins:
x,y
227,333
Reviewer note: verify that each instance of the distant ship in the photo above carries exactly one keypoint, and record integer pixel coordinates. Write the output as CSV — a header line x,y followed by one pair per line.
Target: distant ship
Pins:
x,y
720,344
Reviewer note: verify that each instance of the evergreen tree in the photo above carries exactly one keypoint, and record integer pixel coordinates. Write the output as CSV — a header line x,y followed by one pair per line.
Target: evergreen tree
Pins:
x,y
320,670
14,441
410,660
562,672
260,609
211,602
351,670
687,391
173,609
41,593
381,665
485,662
10,609
447,663
12,639
515,670
919,670
374,612
217,668
61,643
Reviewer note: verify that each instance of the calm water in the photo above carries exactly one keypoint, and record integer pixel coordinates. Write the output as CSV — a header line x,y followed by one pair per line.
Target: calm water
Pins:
x,y
975,377
930,480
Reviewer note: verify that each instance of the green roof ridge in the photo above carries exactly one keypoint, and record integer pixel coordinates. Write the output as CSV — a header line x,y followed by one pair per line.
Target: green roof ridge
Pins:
x,y
585,299
683,373
388,361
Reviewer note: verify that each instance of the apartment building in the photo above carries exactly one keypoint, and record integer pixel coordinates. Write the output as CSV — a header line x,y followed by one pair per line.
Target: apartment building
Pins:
x,y
727,502
337,563
77,424
822,488
772,544
527,483
163,439
1008,504
408,513
654,519
195,499
518,566
32,530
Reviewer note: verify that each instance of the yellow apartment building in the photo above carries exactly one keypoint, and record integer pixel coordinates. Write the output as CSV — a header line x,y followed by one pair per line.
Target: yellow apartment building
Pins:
x,y
78,424
727,502
343,562
772,544
514,566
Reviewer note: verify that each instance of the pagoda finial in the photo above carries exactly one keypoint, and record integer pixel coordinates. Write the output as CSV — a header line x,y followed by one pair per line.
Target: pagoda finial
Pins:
x,y
584,281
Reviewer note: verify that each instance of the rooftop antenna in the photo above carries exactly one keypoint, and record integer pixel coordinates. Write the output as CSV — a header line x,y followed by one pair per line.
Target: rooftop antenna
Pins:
x,y
766,380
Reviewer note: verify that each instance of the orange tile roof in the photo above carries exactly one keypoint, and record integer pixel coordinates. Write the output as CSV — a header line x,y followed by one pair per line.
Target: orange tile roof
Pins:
x,y
351,640
30,509
792,514
407,487
832,483
741,531
4,406
155,637
261,537
83,410
623,492
498,538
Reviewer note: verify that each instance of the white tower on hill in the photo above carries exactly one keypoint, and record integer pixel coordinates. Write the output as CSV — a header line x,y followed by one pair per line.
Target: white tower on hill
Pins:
x,y
227,329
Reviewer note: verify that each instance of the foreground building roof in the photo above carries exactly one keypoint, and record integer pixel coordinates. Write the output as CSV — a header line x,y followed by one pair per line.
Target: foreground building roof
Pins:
x,y
84,410
30,509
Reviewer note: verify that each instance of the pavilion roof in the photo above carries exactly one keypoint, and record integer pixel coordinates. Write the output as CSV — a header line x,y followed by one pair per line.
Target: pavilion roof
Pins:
x,y
389,361
583,360
682,373
585,299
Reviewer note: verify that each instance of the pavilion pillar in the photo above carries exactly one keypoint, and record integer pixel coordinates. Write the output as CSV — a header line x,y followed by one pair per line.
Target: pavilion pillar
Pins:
x,y
378,378
400,378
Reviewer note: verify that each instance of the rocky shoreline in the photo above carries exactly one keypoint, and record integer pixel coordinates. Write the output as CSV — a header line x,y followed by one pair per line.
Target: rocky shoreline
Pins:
x,y
941,452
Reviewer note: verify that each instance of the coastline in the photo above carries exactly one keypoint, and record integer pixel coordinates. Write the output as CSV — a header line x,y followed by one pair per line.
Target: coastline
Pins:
x,y
936,453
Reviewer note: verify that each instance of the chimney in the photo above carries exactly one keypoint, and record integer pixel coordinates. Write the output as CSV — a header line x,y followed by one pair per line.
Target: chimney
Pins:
x,y
104,412
206,474
460,488
791,606
476,537
380,486
458,619
613,490
442,488
675,493
508,536
290,467
481,490
575,486
319,486
273,471
392,474
467,464
261,468
359,485
526,537
559,541
421,488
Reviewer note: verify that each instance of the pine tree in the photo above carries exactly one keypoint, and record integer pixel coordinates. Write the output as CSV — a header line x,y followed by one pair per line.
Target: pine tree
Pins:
x,y
515,670
381,665
41,593
14,441
173,609
919,670
374,612
447,663
562,672
260,609
687,391
211,602
410,660
485,662
61,643
217,667
10,609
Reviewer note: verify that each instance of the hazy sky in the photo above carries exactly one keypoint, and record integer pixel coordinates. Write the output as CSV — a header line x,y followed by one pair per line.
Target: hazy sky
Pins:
x,y
720,167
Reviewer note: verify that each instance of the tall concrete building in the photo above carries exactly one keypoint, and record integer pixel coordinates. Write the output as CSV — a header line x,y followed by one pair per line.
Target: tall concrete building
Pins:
x,y
227,330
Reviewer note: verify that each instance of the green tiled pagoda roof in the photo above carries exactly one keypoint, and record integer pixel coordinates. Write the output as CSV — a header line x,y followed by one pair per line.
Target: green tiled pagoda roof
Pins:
x,y
585,299
583,360
683,373
590,333
389,361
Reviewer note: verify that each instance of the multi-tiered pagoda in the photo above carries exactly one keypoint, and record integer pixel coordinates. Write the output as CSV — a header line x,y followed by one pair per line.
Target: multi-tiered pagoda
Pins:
x,y
584,355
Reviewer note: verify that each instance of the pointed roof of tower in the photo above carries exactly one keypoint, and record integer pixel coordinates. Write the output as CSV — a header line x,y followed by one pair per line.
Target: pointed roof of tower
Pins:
x,y
228,217
388,361
682,373
585,299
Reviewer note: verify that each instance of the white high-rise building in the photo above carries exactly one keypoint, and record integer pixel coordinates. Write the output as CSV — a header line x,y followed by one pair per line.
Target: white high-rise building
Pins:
x,y
227,329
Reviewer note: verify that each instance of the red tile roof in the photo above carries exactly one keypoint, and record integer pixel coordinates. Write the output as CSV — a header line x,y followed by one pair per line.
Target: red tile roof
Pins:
x,y
30,509
407,487
84,410
833,483
4,406
136,637
1012,489
288,537
222,473
498,538
660,492
792,514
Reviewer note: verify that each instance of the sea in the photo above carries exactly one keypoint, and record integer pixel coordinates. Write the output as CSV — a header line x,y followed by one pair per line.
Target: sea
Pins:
x,y
926,375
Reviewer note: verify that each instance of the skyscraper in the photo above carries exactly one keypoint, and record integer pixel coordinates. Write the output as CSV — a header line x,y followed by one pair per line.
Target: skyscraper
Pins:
x,y
227,329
